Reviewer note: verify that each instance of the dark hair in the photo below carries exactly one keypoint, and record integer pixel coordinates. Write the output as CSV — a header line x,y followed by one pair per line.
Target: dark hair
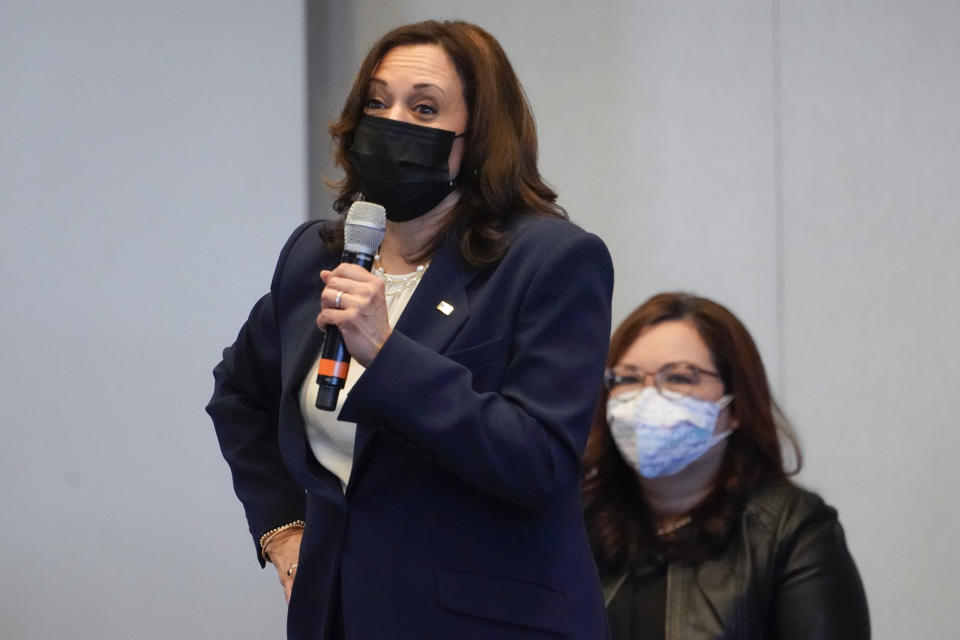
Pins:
x,y
498,177
621,526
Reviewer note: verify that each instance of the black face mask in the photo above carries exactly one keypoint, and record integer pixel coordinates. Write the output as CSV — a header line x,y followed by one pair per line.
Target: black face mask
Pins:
x,y
401,166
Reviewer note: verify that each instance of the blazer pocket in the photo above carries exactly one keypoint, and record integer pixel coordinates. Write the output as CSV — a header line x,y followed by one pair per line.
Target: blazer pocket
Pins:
x,y
502,599
481,354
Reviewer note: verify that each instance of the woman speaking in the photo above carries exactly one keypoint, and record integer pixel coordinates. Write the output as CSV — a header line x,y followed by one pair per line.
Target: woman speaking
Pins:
x,y
440,499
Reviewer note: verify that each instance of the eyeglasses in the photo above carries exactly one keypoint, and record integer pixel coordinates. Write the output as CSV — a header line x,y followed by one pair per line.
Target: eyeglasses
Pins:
x,y
672,379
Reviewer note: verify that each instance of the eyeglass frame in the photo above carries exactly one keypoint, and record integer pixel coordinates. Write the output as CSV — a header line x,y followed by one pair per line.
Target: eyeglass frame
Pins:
x,y
611,379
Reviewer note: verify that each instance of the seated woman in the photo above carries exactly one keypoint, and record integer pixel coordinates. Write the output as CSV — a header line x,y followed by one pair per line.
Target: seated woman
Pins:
x,y
696,530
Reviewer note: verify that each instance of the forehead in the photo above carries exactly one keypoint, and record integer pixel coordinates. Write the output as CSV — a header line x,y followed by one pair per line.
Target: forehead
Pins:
x,y
418,64
669,341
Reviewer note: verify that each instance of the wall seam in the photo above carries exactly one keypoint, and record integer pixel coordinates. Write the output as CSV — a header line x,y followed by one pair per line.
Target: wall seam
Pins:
x,y
778,222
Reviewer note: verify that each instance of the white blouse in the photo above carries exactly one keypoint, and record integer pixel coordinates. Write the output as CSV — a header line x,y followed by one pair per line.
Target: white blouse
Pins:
x,y
331,439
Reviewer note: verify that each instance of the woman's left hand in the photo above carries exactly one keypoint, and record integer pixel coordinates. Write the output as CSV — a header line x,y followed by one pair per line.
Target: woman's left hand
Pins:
x,y
361,314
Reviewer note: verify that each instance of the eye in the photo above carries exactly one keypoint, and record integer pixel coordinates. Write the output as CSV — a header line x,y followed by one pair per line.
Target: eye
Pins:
x,y
680,378
425,110
373,103
613,380
679,373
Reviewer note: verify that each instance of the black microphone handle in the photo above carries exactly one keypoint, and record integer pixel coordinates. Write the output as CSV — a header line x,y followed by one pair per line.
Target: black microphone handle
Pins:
x,y
334,357
329,385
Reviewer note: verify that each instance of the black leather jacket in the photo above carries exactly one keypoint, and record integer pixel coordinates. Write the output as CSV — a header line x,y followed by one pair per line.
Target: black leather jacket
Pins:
x,y
785,574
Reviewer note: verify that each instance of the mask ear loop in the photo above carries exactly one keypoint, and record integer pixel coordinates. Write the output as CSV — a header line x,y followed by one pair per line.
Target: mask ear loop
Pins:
x,y
453,181
721,404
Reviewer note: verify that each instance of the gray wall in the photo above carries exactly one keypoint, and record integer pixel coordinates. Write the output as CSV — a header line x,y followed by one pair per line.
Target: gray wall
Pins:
x,y
152,162
797,161
871,186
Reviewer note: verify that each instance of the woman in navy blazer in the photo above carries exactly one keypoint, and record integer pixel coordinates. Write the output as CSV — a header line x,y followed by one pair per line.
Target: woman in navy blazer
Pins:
x,y
459,515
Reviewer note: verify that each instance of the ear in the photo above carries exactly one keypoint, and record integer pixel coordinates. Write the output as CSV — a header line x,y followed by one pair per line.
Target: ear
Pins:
x,y
733,420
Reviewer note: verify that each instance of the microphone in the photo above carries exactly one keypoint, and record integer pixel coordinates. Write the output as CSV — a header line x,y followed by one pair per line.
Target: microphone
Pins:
x,y
362,233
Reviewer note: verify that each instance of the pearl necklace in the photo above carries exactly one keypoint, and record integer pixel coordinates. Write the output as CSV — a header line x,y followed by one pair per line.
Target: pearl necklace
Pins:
x,y
394,285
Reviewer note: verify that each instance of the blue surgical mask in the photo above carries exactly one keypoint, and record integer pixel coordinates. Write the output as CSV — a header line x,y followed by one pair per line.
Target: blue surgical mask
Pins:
x,y
661,436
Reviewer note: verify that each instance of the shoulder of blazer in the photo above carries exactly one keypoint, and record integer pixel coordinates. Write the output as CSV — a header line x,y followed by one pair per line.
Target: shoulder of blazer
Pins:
x,y
529,229
531,238
311,236
305,245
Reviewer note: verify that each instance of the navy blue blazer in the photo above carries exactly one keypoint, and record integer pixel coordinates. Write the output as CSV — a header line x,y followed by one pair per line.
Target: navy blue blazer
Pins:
x,y
462,517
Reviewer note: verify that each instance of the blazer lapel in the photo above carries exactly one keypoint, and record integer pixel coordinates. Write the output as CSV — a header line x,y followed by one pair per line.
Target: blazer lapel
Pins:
x,y
437,310
439,305
311,474
306,350
302,349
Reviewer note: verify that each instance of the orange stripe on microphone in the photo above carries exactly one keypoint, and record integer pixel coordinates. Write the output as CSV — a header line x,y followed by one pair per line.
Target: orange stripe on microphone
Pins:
x,y
333,368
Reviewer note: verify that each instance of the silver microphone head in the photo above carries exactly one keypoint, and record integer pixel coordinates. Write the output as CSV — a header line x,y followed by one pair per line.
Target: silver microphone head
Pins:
x,y
364,228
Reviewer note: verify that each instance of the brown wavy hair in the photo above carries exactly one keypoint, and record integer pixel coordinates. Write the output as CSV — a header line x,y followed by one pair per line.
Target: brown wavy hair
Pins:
x,y
498,177
620,524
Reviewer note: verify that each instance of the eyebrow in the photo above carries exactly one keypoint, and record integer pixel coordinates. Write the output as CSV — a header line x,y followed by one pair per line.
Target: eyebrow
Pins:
x,y
418,86
634,367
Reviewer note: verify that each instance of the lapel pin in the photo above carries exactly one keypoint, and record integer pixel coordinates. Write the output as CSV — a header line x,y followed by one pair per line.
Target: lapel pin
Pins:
x,y
445,307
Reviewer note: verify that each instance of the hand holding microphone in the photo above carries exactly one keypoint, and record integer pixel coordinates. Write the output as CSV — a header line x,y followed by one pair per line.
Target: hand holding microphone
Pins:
x,y
354,311
353,301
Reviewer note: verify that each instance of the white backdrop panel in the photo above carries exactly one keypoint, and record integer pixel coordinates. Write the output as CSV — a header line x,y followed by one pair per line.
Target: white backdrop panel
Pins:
x,y
152,163
871,183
